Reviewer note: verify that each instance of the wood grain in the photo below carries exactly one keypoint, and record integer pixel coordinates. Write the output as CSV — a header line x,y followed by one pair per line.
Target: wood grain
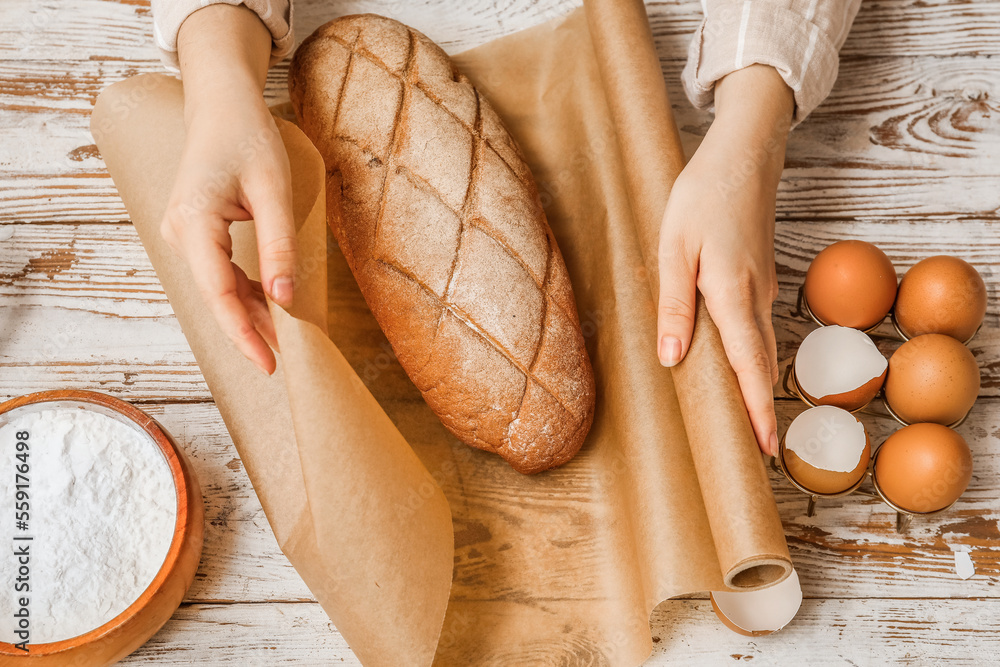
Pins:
x,y
825,632
847,552
246,634
848,549
835,632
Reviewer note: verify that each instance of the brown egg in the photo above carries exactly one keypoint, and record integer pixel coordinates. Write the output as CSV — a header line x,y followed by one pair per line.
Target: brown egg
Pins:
x,y
851,283
826,450
941,294
932,378
923,467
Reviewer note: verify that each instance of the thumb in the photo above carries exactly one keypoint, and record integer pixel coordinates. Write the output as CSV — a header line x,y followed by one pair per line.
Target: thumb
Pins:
x,y
271,207
676,308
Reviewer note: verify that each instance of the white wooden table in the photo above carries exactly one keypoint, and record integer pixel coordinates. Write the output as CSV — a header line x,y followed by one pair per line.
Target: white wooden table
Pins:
x,y
904,153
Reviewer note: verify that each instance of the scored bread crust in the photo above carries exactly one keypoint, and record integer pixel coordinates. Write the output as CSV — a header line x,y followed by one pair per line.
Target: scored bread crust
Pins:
x,y
440,221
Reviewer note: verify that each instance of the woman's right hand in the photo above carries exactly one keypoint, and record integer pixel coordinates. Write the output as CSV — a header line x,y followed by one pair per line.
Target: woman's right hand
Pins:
x,y
234,167
717,237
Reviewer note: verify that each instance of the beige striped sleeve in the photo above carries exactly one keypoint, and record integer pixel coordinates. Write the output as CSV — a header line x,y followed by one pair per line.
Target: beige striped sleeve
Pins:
x,y
799,38
168,15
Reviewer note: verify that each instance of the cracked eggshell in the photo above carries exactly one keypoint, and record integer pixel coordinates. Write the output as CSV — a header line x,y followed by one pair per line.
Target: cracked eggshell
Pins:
x,y
839,366
759,613
826,450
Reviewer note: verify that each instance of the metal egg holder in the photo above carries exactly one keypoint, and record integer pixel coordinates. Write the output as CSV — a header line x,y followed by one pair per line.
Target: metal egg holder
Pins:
x,y
791,386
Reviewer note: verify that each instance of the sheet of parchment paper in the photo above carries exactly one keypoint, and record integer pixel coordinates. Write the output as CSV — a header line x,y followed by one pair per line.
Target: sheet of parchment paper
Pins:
x,y
419,548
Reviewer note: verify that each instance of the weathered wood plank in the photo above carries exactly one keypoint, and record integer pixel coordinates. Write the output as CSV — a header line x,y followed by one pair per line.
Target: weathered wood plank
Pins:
x,y
897,137
246,634
67,290
826,632
89,29
863,87
240,560
935,27
868,633
848,549
904,138
85,310
103,30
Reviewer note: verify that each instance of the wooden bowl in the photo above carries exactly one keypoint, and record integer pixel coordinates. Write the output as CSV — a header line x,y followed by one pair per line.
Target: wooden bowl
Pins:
x,y
131,629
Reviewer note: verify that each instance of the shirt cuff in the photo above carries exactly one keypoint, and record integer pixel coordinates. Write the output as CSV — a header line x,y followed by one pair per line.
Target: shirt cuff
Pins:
x,y
168,15
761,33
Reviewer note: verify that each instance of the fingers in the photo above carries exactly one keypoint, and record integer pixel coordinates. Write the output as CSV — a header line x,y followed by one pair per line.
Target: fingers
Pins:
x,y
270,201
251,293
676,308
224,287
766,328
766,324
747,349
216,278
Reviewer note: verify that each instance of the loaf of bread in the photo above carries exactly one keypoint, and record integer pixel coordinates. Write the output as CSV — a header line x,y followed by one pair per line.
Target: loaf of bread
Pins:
x,y
439,218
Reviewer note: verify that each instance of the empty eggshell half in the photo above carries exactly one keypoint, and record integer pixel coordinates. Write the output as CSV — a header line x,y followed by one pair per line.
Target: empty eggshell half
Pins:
x,y
839,366
759,613
826,450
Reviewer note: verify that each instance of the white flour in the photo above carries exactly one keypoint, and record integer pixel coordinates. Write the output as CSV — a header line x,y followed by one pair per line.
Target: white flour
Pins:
x,y
101,517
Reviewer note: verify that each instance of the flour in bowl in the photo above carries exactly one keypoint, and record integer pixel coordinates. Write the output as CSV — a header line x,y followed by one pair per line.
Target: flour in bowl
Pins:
x,y
87,514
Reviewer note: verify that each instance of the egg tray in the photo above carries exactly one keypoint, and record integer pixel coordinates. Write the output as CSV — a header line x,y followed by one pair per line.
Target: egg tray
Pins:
x,y
802,309
791,386
903,516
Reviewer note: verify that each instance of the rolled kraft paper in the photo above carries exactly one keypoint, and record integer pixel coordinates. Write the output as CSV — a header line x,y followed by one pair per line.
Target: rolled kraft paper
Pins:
x,y
330,468
748,535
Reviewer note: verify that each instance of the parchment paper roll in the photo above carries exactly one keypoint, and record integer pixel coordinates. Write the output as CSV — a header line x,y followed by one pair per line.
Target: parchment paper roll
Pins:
x,y
744,521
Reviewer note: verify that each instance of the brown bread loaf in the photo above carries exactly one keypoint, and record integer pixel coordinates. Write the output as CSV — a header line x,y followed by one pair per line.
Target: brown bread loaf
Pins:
x,y
439,218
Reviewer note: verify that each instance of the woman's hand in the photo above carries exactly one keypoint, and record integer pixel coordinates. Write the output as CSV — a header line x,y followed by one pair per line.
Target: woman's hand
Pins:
x,y
234,167
717,236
